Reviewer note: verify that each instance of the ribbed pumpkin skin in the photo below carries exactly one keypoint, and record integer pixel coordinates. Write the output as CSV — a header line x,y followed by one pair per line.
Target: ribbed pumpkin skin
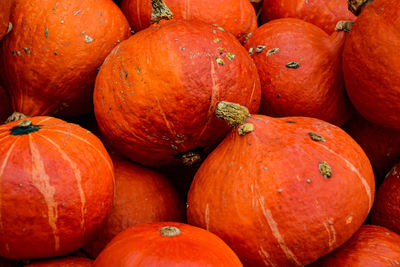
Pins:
x,y
371,246
142,195
156,93
63,262
5,7
5,105
56,189
235,16
49,60
143,245
322,13
371,63
315,88
386,209
264,195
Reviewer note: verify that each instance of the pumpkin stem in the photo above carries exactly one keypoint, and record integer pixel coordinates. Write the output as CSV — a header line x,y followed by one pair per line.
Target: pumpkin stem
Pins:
x,y
9,28
344,25
234,114
24,127
15,117
355,6
191,158
160,11
170,231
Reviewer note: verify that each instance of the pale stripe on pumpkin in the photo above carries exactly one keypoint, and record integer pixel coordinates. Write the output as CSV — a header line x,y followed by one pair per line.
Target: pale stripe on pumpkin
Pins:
x,y
45,119
331,234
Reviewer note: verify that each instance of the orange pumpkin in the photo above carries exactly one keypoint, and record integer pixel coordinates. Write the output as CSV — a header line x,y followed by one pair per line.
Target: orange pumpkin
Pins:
x,y
71,261
156,93
56,187
142,195
49,60
5,24
371,63
300,70
322,13
5,105
235,16
166,244
282,192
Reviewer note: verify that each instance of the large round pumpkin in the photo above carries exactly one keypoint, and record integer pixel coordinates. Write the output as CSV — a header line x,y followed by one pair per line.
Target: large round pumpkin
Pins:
x,y
300,70
142,195
56,187
5,24
166,244
282,192
49,60
5,105
156,93
235,16
371,65
71,261
371,245
323,13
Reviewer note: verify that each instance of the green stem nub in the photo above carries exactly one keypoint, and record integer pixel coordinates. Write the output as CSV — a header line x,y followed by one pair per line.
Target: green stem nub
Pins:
x,y
24,127
355,6
234,114
170,231
160,11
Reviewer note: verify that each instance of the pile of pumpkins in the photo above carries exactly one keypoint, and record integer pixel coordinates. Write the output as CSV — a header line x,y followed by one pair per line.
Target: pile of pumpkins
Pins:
x,y
199,133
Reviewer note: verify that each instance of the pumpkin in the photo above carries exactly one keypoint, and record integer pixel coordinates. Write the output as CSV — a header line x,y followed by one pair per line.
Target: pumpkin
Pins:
x,y
72,261
371,245
371,65
142,195
56,187
386,209
300,70
382,145
282,191
166,244
49,60
5,24
322,13
5,105
156,93
235,16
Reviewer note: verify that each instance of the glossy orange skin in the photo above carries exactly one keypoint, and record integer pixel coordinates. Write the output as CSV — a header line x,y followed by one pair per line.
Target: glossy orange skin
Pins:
x,y
322,13
386,209
71,261
49,60
371,245
235,16
371,63
156,93
142,195
264,195
5,7
382,145
56,189
143,245
315,88
5,105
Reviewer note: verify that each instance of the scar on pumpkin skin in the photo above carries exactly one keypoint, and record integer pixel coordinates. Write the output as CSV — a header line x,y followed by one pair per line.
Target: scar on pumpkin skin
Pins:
x,y
316,137
325,169
260,48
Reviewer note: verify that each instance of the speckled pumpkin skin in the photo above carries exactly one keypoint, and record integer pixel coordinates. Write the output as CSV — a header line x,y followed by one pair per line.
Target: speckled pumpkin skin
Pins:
x,y
5,105
313,89
63,262
235,16
371,63
5,7
266,197
156,93
49,60
322,13
56,189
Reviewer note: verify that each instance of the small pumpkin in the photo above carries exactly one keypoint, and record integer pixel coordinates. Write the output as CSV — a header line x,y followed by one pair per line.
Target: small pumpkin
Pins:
x,y
371,245
235,16
322,13
142,195
68,261
5,105
371,65
300,70
5,24
49,60
56,187
386,209
166,244
156,93
282,191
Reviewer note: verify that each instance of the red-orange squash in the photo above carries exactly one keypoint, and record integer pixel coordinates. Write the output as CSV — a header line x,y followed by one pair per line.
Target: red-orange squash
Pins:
x,y
386,209
5,105
371,63
49,60
371,246
323,13
235,16
5,25
71,261
283,192
300,70
156,93
166,244
142,195
56,187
